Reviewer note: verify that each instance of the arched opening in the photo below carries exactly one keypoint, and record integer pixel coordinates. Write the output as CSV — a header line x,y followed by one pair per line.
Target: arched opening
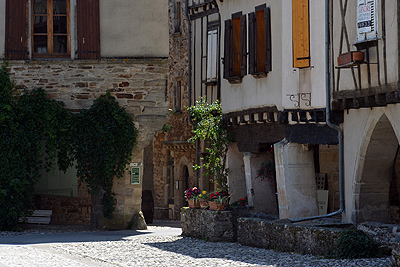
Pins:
x,y
372,191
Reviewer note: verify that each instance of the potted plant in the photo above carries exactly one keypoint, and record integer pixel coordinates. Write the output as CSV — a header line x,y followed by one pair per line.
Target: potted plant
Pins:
x,y
218,200
192,195
203,199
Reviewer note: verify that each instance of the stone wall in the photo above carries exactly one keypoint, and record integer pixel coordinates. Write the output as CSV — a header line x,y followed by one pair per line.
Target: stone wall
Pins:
x,y
139,85
66,210
171,152
211,225
286,237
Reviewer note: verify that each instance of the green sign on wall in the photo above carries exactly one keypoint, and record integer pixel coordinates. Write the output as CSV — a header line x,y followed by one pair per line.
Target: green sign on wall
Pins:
x,y
135,173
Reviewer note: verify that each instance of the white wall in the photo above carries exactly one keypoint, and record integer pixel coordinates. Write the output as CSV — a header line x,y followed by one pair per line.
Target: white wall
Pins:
x,y
136,28
283,79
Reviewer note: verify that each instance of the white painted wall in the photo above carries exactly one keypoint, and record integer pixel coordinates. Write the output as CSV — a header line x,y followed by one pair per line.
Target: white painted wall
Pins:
x,y
136,28
346,80
283,79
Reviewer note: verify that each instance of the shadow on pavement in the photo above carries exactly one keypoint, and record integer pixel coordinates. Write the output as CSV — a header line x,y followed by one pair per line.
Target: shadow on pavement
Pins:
x,y
40,234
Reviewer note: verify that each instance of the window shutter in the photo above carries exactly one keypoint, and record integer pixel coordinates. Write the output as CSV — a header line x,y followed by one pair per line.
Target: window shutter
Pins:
x,y
228,49
16,29
88,28
301,34
267,21
243,41
252,43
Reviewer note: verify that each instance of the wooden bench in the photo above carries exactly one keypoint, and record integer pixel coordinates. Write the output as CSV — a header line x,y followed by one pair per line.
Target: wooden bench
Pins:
x,y
39,217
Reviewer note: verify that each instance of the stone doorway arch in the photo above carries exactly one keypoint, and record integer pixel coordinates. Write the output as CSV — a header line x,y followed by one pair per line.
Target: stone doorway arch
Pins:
x,y
375,168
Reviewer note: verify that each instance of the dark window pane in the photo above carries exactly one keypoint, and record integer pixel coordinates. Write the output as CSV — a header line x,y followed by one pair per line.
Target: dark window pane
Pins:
x,y
60,7
60,44
40,24
60,24
40,7
40,44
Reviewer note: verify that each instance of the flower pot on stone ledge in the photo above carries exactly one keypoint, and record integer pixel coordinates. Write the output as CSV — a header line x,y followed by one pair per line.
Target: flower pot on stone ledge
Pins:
x,y
216,206
194,203
203,204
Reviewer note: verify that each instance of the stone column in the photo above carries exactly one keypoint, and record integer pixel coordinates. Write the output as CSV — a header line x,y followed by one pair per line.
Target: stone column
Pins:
x,y
295,176
247,172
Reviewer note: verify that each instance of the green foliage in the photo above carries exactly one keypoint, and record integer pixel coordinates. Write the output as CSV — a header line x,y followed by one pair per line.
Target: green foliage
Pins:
x,y
353,244
27,125
209,126
105,137
36,131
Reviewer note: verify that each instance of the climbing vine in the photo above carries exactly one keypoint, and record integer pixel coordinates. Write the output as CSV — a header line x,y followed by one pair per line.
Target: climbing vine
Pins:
x,y
105,137
209,126
33,134
36,132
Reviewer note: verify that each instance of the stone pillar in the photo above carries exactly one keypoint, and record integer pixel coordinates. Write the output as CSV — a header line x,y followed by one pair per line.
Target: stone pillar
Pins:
x,y
295,176
247,173
236,175
260,193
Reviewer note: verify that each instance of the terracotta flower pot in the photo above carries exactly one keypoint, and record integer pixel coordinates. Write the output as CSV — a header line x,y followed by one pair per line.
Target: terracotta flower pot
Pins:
x,y
203,204
216,206
194,203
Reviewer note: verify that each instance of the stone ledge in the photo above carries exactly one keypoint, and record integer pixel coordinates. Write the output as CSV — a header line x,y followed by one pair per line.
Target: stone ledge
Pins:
x,y
211,225
287,237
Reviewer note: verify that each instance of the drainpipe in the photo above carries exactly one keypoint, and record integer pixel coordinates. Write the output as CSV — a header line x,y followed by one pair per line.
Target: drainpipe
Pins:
x,y
190,82
331,125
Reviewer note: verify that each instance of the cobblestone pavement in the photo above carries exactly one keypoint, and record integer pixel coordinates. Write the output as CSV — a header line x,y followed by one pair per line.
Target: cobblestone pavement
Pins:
x,y
155,247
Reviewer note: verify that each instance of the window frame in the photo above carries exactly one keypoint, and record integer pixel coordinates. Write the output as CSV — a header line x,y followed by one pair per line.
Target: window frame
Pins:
x,y
260,57
301,33
212,53
235,46
50,34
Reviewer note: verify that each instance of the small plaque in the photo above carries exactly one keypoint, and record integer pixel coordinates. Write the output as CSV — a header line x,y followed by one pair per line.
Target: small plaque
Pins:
x,y
135,173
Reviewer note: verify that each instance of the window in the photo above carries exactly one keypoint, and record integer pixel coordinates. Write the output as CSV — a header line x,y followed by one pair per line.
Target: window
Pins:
x,y
50,27
260,41
301,34
235,58
212,48
177,17
178,95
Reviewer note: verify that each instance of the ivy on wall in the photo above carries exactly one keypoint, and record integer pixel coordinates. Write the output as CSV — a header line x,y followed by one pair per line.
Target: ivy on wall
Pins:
x,y
36,131
105,137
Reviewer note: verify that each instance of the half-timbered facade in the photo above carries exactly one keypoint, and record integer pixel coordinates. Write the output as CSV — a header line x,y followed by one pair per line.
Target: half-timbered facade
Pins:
x,y
273,97
77,50
365,84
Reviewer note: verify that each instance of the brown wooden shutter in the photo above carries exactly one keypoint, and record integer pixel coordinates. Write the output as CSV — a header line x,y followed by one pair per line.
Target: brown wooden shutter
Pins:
x,y
252,43
243,41
16,29
267,21
88,28
301,34
228,49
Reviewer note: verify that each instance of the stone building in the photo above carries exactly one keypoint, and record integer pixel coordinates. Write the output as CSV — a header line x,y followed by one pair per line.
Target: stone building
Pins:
x,y
174,157
77,50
